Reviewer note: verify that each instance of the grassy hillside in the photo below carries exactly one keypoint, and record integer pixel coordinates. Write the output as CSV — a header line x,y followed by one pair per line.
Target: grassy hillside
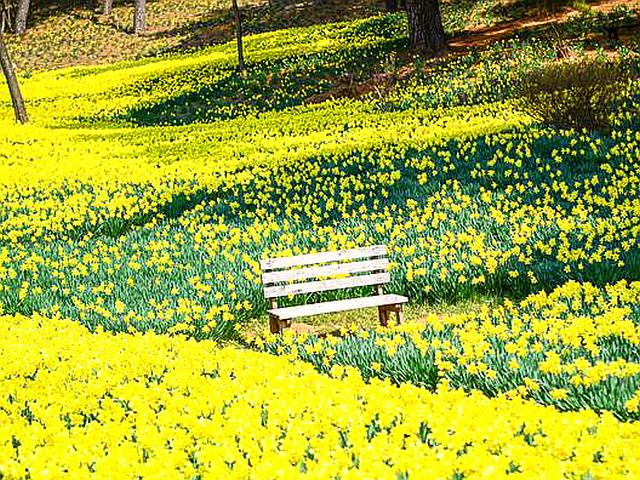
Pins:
x,y
162,227
72,33
77,33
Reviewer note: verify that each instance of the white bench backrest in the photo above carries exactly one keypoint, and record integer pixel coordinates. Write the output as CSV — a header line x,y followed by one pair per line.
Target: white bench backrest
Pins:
x,y
308,273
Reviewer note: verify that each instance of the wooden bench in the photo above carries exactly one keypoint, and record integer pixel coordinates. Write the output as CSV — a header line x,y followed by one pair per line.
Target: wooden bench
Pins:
x,y
306,274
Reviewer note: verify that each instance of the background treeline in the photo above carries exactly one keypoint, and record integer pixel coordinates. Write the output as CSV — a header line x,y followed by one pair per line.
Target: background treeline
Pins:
x,y
14,14
425,19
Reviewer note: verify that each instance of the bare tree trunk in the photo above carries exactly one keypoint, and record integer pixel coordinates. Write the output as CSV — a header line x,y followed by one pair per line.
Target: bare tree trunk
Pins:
x,y
12,81
5,16
426,32
21,17
394,5
139,20
238,18
108,7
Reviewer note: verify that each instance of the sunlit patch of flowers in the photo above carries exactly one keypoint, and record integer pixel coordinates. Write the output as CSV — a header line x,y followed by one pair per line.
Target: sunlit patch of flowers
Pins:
x,y
284,68
575,348
81,405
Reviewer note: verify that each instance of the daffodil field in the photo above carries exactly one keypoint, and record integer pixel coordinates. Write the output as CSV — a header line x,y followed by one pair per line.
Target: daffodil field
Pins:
x,y
576,348
135,208
152,406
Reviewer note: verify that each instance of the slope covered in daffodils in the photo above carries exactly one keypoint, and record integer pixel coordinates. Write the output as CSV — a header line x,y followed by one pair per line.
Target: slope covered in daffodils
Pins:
x,y
180,244
144,193
81,405
283,68
161,227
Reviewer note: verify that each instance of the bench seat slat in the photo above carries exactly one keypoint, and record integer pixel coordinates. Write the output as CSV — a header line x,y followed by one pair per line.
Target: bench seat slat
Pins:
x,y
288,313
323,257
325,271
326,285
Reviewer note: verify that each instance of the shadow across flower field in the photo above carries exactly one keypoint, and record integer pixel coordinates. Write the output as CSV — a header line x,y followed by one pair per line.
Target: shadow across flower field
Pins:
x,y
162,227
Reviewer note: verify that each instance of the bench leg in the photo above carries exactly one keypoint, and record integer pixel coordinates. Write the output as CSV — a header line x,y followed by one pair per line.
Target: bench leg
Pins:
x,y
383,316
274,324
385,311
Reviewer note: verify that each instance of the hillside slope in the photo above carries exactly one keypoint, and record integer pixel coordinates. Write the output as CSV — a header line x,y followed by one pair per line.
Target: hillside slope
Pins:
x,y
143,194
76,33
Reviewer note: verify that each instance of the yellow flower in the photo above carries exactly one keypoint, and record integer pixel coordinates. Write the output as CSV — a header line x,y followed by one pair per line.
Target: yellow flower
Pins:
x,y
559,394
120,306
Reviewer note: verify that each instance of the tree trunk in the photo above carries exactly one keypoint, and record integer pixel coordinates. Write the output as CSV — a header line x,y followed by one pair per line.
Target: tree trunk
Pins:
x,y
426,32
12,81
5,16
139,21
395,5
238,19
108,7
21,17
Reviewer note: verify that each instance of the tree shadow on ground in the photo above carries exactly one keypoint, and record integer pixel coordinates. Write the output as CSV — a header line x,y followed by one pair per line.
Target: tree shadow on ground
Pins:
x,y
592,25
218,92
41,10
219,26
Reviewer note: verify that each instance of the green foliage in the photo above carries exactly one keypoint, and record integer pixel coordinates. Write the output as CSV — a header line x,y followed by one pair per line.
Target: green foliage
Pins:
x,y
584,93
474,78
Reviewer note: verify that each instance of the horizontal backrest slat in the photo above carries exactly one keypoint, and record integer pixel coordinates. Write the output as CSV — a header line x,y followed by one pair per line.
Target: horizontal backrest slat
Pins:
x,y
325,271
326,285
323,257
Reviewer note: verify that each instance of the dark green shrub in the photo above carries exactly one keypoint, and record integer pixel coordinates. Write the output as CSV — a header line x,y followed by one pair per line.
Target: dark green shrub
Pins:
x,y
584,93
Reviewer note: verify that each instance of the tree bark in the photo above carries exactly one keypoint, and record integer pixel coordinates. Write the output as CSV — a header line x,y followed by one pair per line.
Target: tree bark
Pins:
x,y
426,32
5,17
108,7
21,16
12,82
238,19
139,17
395,5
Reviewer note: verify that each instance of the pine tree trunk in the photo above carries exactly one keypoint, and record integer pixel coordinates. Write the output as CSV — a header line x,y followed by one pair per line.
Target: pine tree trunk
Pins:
x,y
5,16
12,81
21,17
426,32
108,7
394,5
139,20
238,19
